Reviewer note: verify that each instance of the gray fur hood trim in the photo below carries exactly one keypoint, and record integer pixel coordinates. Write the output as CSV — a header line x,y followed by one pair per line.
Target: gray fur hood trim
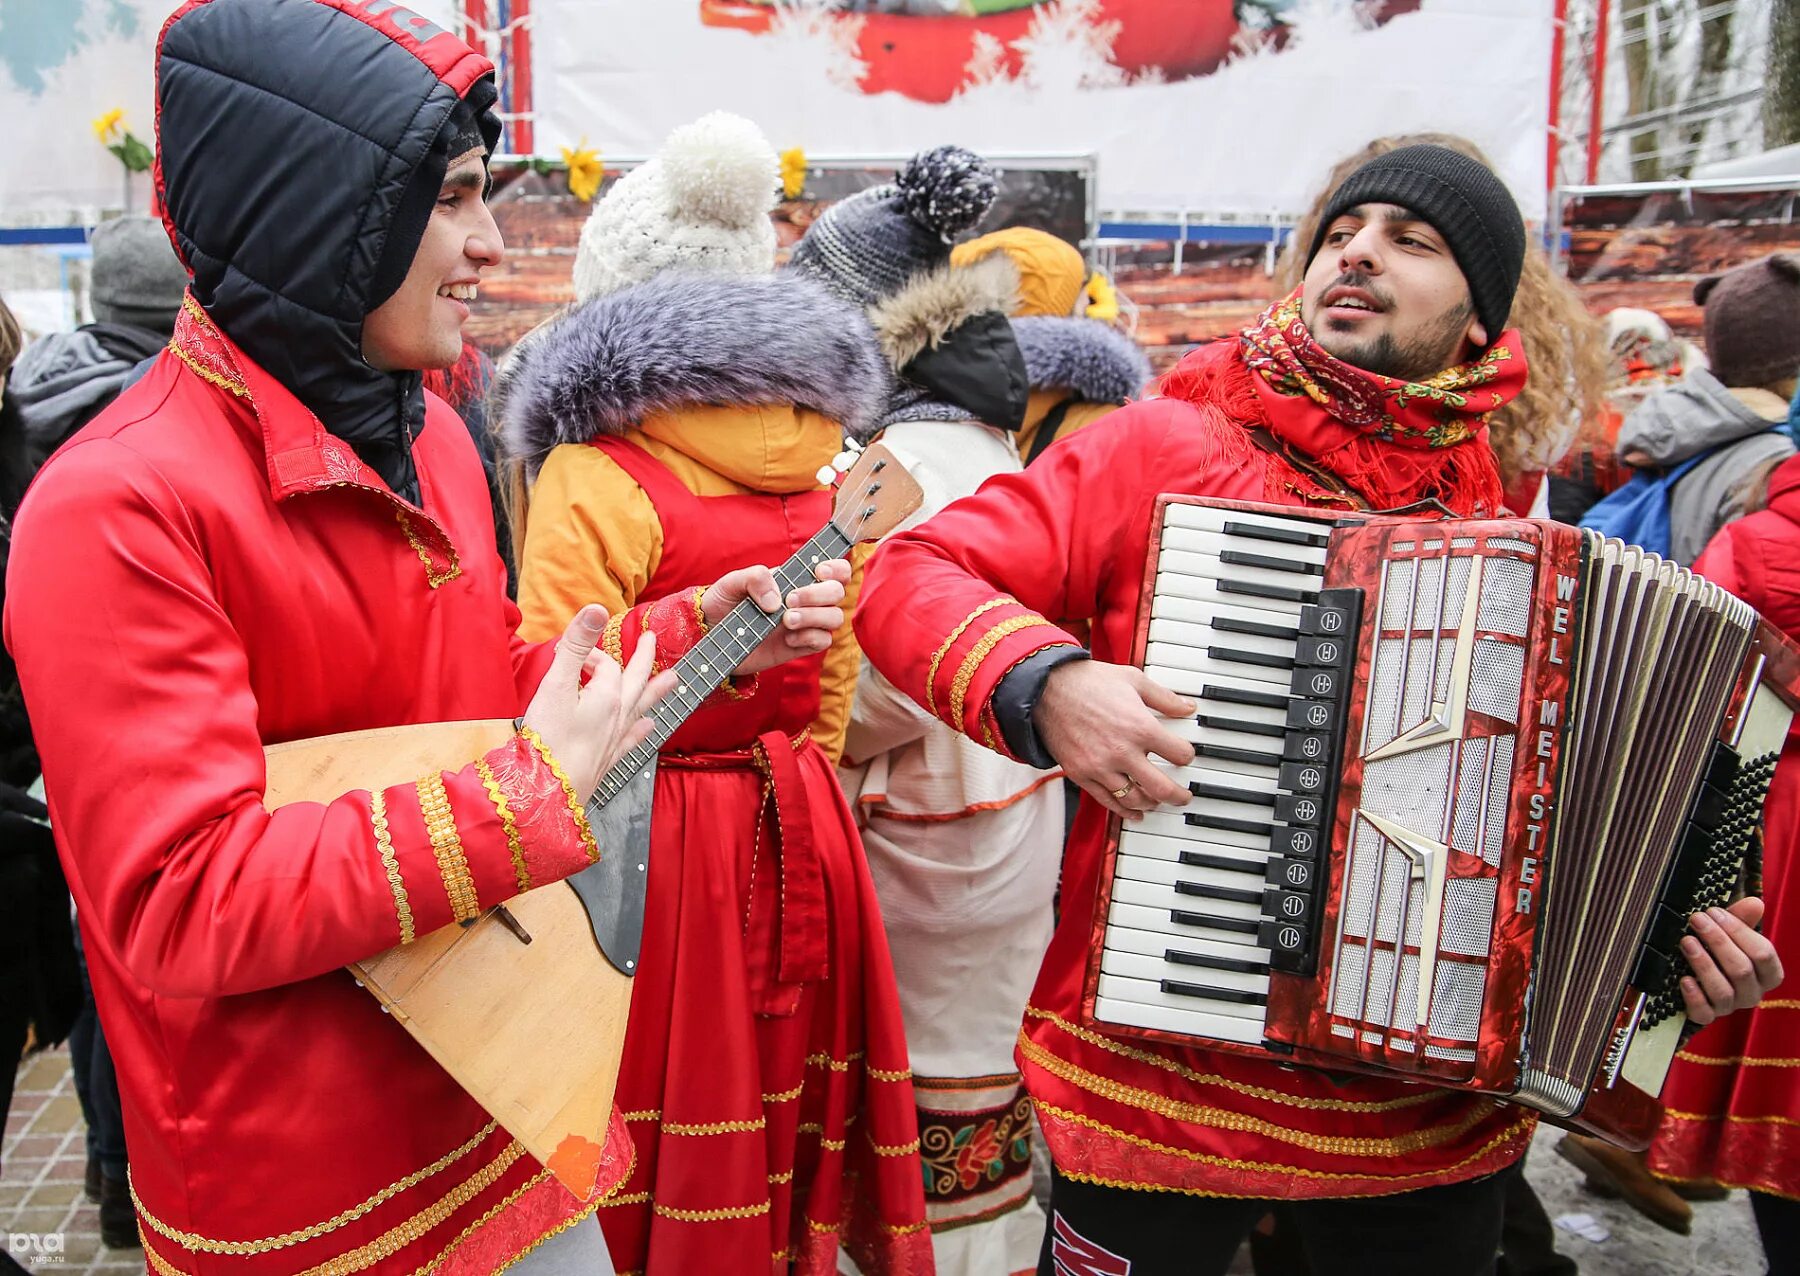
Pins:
x,y
685,340
1082,356
918,316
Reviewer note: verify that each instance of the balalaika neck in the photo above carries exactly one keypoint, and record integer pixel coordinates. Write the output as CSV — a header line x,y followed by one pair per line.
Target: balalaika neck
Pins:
x,y
727,642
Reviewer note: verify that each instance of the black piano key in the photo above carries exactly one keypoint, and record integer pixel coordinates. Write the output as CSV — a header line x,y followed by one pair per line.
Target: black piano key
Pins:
x,y
1236,965
1222,793
1236,925
1225,753
1225,825
1237,995
1275,593
1280,535
1229,894
1270,729
1269,563
1256,628
1292,875
1237,695
1205,859
1262,659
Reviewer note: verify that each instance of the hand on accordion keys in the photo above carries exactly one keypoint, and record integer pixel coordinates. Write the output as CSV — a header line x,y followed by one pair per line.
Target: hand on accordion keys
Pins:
x,y
1099,721
1734,966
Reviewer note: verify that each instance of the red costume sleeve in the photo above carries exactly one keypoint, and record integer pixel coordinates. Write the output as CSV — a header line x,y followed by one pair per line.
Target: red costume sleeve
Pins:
x,y
530,660
950,606
145,719
1723,563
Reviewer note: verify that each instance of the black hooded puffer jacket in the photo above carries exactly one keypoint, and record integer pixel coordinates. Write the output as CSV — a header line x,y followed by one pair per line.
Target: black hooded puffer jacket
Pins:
x,y
299,163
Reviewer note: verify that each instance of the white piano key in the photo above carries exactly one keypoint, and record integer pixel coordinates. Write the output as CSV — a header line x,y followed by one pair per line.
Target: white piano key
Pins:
x,y
1203,771
1191,1021
1204,611
1156,943
1195,734
1141,868
1132,965
1210,566
1181,633
1152,846
1148,992
1167,821
1195,541
1210,518
1130,890
1185,585
1178,660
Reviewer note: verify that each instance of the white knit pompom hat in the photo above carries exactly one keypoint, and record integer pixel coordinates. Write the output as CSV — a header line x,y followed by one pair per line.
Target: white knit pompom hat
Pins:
x,y
702,203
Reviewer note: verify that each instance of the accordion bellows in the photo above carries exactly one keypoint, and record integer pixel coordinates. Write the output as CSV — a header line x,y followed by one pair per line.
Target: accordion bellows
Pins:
x,y
1458,787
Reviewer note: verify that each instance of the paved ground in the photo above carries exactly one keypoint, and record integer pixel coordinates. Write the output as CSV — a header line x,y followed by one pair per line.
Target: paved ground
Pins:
x,y
42,1162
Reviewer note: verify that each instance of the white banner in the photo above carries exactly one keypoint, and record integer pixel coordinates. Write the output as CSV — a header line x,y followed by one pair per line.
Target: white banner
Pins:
x,y
1137,82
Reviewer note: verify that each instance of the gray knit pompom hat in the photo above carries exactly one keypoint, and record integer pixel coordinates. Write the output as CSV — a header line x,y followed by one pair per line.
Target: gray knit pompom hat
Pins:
x,y
868,246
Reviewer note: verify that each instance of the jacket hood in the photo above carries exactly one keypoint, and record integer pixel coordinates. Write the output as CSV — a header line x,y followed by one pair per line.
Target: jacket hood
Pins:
x,y
355,99
1083,357
62,380
1688,418
684,341
947,336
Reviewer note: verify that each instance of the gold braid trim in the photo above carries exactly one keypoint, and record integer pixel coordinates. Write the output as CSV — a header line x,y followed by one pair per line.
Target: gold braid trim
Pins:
x,y
384,842
700,609
1522,1126
836,1065
931,670
231,379
645,1114
899,1149
399,1237
634,1198
1212,1078
786,1176
1674,1115
785,1096
433,577
514,847
882,1074
709,1216
959,689
1738,1061
446,844
717,1127
238,388
268,1244
576,810
1225,1119
612,638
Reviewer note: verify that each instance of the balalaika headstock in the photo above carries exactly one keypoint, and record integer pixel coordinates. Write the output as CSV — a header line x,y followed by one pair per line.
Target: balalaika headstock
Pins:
x,y
875,495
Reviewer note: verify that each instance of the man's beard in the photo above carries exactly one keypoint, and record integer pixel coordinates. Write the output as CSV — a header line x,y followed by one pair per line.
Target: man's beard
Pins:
x,y
1427,353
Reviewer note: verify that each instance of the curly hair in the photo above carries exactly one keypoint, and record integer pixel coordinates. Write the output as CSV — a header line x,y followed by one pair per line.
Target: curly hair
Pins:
x,y
1565,346
12,340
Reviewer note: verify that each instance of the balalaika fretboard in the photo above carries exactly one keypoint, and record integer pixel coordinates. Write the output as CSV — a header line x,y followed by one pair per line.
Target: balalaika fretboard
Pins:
x,y
1456,787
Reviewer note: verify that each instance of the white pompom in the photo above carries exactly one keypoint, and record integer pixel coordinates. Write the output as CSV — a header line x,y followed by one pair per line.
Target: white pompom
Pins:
x,y
721,169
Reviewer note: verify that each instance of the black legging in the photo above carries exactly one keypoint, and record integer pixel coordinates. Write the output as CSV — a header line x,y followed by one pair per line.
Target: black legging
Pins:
x,y
1778,1222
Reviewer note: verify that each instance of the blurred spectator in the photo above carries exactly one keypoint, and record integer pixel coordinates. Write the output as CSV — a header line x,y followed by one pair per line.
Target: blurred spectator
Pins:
x,y
63,380
1565,346
40,988
1646,357
1731,416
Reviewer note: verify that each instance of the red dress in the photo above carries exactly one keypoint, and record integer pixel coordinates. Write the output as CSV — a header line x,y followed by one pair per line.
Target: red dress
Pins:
x,y
1731,1107
765,1078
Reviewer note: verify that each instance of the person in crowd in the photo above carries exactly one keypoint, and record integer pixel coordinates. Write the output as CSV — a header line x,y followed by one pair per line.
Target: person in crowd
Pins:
x,y
963,844
1565,346
1646,357
276,535
40,984
64,379
1733,1096
1166,1155
1079,366
673,426
1730,415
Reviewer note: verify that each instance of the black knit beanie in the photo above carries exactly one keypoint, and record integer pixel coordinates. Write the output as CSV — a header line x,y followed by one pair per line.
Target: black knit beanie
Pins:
x,y
1464,201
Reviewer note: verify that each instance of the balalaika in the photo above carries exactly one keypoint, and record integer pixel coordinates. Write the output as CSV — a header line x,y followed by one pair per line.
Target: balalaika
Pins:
x,y
1457,788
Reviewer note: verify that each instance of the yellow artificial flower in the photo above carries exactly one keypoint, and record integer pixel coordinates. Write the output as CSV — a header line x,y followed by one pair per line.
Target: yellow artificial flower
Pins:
x,y
108,127
1103,298
585,171
793,172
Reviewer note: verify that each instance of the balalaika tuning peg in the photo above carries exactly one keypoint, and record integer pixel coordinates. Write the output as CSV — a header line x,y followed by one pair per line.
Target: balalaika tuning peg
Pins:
x,y
843,461
826,475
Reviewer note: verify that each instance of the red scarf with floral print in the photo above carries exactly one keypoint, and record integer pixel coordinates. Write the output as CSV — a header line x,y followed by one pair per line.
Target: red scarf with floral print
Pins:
x,y
1393,442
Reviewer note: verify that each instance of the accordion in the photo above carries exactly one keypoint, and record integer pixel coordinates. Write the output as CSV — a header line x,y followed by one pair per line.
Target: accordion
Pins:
x,y
1457,787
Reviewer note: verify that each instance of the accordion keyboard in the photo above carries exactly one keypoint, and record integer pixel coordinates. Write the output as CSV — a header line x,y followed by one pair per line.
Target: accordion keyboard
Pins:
x,y
1208,898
